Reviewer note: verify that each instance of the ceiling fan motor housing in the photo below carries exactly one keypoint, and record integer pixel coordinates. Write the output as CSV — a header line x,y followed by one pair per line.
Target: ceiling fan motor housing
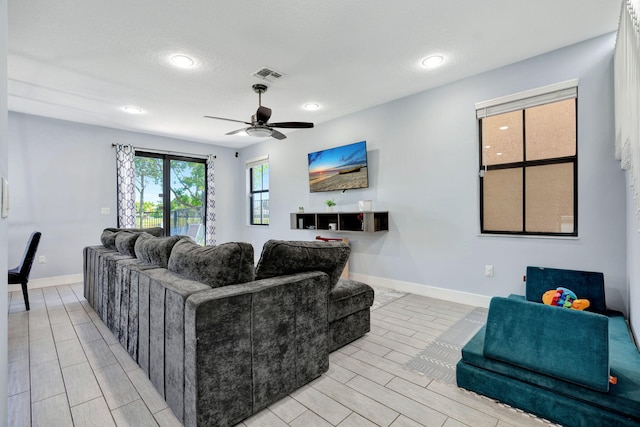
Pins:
x,y
262,116
260,88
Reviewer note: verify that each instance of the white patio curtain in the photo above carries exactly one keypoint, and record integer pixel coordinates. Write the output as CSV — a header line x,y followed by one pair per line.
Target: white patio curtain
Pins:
x,y
210,220
627,95
126,184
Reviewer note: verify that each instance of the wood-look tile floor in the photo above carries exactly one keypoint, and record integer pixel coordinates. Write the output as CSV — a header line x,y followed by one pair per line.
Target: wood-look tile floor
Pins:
x,y
67,369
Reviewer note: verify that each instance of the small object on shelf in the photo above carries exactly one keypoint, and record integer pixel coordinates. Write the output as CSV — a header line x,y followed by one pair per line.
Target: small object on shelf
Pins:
x,y
365,206
300,209
333,226
330,204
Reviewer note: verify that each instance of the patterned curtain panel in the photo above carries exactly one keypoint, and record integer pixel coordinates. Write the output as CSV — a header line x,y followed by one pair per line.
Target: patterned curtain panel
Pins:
x,y
210,221
126,172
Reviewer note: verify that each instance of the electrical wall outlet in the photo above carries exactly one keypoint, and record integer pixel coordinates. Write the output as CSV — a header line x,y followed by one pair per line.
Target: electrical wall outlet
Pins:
x,y
488,270
105,211
42,259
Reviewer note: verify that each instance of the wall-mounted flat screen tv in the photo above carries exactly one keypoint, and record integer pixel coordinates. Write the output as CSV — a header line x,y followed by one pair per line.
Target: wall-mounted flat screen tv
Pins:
x,y
339,168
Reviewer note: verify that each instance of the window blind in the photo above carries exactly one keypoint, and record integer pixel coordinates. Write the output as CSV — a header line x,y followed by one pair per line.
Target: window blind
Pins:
x,y
527,99
257,161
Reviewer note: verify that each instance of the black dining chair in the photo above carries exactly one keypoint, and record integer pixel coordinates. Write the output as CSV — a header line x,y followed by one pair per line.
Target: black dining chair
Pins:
x,y
20,274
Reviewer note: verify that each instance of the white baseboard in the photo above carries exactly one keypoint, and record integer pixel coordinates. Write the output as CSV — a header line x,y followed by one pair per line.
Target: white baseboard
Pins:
x,y
376,282
49,281
424,290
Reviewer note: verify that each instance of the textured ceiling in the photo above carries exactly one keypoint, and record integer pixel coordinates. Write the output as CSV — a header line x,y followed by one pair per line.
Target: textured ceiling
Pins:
x,y
83,60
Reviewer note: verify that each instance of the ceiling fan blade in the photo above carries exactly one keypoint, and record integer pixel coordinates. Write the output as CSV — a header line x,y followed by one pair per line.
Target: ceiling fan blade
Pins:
x,y
229,120
263,114
291,125
233,132
277,135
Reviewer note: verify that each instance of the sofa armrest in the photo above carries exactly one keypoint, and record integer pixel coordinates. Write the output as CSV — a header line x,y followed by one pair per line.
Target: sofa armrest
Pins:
x,y
250,344
562,343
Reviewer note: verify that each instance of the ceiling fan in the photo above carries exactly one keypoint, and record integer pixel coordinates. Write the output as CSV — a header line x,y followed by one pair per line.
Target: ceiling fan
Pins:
x,y
259,125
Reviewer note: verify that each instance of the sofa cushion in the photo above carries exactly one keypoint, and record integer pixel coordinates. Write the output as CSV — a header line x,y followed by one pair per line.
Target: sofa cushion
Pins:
x,y
214,266
108,237
348,297
569,344
126,241
586,285
155,250
547,403
281,258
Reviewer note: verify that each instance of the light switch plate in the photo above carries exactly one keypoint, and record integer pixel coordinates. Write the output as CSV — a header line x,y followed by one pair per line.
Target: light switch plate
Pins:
x,y
5,198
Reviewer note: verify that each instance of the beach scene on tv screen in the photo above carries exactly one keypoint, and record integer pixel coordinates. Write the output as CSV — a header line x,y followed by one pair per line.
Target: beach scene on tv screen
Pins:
x,y
340,168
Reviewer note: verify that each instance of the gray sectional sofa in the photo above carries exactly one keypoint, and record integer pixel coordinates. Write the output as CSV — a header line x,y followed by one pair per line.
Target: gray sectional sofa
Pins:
x,y
219,339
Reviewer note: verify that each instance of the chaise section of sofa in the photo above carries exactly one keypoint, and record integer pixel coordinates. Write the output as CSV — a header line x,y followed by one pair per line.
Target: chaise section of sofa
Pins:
x,y
556,362
273,342
349,312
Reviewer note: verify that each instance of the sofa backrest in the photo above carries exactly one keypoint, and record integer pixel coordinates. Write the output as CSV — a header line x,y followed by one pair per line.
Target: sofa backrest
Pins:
x,y
562,343
108,236
585,284
215,266
154,250
284,257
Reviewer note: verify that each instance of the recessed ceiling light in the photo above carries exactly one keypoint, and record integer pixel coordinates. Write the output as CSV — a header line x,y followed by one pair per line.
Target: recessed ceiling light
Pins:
x,y
132,109
312,106
504,127
498,154
432,61
487,146
182,61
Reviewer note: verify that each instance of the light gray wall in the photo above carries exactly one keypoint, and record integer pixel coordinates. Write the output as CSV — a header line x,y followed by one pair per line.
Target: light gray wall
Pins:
x,y
423,154
4,148
62,174
423,162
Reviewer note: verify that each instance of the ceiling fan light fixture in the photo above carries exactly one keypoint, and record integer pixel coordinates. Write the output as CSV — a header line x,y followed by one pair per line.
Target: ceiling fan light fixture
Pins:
x,y
258,131
182,61
432,61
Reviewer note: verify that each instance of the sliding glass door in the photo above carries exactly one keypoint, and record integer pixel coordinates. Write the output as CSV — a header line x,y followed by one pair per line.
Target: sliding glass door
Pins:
x,y
171,193
187,198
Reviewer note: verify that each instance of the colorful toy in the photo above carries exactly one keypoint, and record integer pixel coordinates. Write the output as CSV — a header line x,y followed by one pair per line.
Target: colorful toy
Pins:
x,y
563,297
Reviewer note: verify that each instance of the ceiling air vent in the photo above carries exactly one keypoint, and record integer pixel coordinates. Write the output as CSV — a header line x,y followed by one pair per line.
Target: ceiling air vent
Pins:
x,y
268,74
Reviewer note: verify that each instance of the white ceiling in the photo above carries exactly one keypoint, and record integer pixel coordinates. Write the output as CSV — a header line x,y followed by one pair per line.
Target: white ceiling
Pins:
x,y
83,60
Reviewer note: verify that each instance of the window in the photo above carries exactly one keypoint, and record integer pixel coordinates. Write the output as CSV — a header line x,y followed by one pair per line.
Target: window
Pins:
x,y
171,193
529,162
258,171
